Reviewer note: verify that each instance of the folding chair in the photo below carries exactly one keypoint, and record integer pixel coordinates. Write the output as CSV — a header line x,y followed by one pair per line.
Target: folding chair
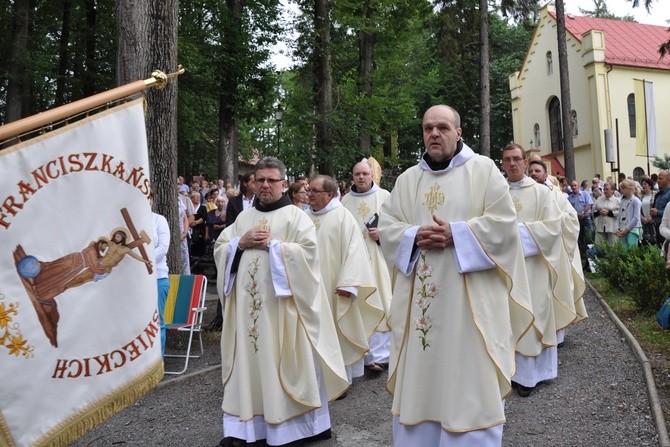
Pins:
x,y
184,310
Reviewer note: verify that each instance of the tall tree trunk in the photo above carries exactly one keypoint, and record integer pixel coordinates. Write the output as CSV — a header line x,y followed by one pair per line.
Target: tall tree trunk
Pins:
x,y
485,87
147,40
18,54
228,127
91,70
63,53
132,22
324,87
366,43
568,150
161,117
228,143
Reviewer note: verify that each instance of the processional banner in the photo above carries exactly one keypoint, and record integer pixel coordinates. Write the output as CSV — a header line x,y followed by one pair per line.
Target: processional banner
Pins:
x,y
79,331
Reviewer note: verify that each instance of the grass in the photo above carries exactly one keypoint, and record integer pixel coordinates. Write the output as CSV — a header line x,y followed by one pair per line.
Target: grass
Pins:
x,y
642,326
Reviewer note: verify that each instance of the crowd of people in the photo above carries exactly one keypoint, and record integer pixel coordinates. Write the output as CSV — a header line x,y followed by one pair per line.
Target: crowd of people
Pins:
x,y
460,284
630,213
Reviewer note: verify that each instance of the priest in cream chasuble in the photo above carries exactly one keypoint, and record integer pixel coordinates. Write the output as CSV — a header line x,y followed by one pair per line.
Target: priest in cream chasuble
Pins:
x,y
570,308
539,221
280,359
364,201
461,300
345,269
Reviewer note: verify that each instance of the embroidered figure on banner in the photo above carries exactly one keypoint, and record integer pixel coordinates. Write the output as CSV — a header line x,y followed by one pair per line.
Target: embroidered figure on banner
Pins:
x,y
45,280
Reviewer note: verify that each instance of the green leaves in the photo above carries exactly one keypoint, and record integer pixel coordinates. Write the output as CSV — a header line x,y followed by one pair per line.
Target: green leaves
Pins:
x,y
639,272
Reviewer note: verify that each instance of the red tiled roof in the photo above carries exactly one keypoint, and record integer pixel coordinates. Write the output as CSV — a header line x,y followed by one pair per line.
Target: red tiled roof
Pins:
x,y
626,43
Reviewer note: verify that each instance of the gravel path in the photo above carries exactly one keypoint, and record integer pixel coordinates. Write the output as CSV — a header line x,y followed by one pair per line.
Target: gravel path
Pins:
x,y
599,399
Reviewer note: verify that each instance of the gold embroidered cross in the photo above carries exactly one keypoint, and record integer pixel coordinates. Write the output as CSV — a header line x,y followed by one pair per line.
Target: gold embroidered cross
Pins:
x,y
434,197
263,224
364,210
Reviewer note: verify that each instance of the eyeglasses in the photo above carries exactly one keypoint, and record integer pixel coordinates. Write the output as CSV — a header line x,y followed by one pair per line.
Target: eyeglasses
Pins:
x,y
315,191
512,159
270,181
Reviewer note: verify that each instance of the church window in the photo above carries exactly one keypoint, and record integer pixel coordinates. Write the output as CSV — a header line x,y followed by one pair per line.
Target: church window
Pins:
x,y
555,125
631,114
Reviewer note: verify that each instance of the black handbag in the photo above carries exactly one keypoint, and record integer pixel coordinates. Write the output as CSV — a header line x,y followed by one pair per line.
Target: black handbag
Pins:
x,y
649,234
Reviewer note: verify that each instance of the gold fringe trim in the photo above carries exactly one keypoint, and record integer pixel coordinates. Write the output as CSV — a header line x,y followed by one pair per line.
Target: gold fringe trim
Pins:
x,y
77,425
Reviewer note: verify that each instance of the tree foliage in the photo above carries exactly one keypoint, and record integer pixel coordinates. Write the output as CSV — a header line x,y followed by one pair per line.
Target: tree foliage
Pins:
x,y
423,52
600,11
662,163
90,53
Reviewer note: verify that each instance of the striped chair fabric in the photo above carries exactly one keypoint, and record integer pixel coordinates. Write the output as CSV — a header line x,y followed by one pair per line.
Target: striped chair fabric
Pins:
x,y
184,311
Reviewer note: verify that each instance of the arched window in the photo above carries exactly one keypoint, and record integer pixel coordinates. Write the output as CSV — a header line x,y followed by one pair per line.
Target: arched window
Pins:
x,y
536,135
638,173
555,125
631,114
550,63
575,126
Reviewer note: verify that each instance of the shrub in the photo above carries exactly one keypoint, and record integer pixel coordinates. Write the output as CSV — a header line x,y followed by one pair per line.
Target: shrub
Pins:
x,y
610,263
639,272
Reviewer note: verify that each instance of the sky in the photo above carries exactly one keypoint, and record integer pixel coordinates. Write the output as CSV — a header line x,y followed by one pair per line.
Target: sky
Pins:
x,y
660,11
660,14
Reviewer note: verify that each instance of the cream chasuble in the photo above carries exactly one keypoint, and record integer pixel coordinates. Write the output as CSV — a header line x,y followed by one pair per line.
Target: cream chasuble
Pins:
x,y
539,216
363,206
570,233
344,264
276,320
454,334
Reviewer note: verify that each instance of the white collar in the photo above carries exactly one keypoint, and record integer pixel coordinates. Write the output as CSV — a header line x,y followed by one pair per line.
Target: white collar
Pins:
x,y
521,183
372,190
459,159
334,203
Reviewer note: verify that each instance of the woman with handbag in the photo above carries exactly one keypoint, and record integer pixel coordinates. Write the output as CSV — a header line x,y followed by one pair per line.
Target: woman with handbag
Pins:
x,y
629,223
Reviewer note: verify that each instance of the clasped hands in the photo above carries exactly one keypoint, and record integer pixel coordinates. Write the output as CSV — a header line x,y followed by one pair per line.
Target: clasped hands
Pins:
x,y
255,238
434,236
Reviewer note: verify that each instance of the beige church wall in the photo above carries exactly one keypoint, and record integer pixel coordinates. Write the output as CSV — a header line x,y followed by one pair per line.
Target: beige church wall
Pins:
x,y
621,85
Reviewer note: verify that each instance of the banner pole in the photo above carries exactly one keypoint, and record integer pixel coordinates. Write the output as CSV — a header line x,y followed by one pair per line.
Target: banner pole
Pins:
x,y
14,129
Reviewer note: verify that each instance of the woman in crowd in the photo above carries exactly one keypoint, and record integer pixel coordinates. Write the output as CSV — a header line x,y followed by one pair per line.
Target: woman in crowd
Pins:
x,y
648,228
605,214
211,197
629,223
198,226
216,220
298,195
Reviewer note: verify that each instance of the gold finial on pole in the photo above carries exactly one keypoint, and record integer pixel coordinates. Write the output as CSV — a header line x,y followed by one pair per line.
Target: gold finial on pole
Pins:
x,y
159,79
